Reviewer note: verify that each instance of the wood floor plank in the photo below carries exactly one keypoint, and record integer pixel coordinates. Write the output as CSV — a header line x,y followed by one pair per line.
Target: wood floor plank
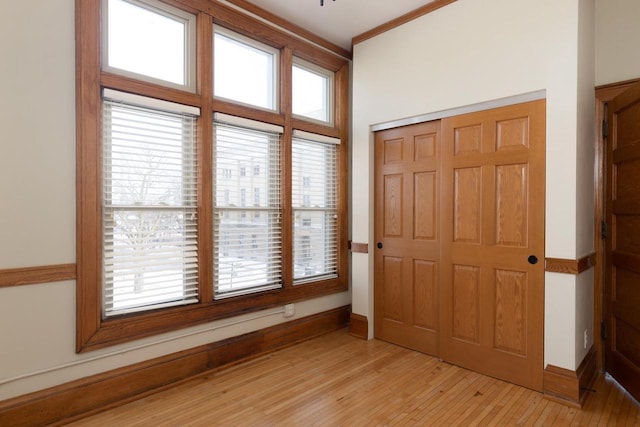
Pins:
x,y
339,380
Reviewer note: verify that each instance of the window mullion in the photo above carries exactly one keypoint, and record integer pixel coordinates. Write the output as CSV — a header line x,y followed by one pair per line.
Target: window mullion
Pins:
x,y
204,154
286,64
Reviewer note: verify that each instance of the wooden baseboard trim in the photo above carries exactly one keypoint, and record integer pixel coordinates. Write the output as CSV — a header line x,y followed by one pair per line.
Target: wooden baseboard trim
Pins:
x,y
36,275
78,399
571,387
359,326
570,266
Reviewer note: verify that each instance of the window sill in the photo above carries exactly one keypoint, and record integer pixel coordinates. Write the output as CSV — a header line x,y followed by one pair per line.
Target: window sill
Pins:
x,y
136,326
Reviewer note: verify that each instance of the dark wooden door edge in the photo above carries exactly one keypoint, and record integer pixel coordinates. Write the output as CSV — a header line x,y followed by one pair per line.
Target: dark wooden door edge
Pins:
x,y
604,94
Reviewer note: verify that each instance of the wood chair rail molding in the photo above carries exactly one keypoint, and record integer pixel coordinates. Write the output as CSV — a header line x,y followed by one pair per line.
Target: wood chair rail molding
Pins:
x,y
37,275
570,266
359,248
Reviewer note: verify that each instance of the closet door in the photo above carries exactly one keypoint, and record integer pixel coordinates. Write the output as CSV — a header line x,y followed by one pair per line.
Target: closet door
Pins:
x,y
407,240
492,242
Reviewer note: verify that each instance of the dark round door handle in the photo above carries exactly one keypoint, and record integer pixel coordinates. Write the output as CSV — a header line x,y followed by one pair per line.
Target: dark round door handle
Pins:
x,y
379,245
532,259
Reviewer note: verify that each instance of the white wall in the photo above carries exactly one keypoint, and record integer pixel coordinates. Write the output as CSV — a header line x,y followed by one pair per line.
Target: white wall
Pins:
x,y
585,160
37,213
470,52
37,133
617,38
585,148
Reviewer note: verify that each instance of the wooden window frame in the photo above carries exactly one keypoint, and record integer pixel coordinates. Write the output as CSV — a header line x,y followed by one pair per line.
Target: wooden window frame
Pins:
x,y
92,331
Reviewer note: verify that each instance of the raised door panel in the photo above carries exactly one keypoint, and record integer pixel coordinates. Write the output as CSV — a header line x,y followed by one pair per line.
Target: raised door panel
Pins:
x,y
467,198
393,151
510,307
512,134
392,292
467,140
466,303
425,301
626,125
425,205
424,147
393,205
511,205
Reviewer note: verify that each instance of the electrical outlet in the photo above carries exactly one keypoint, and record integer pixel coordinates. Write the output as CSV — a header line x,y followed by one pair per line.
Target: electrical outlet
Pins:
x,y
289,310
586,337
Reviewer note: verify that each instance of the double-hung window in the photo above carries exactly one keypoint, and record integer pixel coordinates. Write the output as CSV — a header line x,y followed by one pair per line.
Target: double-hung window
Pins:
x,y
149,199
211,154
241,265
315,192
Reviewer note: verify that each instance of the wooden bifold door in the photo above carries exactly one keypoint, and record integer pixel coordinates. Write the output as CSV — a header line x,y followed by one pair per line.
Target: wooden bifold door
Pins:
x,y
459,228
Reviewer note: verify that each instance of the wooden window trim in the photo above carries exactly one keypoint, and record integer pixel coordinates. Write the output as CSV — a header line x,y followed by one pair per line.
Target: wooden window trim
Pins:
x,y
93,332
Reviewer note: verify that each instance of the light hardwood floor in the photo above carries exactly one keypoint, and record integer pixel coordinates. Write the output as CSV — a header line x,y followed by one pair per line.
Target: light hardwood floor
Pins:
x,y
338,380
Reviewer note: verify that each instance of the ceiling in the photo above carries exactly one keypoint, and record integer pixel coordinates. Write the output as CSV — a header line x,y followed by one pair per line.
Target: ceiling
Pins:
x,y
338,21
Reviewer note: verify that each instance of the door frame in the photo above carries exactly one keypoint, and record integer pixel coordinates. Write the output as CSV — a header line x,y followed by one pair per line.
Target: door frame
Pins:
x,y
604,94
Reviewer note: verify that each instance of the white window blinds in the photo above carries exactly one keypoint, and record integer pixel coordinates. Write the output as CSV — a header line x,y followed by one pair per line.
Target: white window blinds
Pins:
x,y
150,246
315,207
247,219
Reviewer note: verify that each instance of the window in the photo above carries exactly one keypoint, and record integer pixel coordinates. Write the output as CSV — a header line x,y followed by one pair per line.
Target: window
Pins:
x,y
312,91
185,191
237,268
245,70
151,41
149,207
315,229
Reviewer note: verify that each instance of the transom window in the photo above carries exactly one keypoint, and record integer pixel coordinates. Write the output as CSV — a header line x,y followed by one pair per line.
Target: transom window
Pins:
x,y
150,41
201,201
312,91
245,70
